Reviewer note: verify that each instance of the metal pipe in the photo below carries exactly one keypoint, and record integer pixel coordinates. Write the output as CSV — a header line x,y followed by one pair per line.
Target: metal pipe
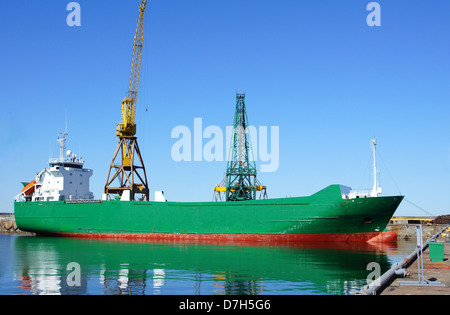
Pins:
x,y
396,269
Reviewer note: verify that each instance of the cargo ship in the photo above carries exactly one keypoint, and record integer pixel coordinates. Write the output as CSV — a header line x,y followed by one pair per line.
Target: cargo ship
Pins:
x,y
59,202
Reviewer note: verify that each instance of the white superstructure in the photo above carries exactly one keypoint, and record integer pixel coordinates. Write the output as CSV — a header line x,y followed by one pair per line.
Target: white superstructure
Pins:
x,y
64,178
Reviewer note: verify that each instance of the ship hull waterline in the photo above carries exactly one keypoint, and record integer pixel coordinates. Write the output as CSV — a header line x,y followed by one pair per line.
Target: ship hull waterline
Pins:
x,y
324,216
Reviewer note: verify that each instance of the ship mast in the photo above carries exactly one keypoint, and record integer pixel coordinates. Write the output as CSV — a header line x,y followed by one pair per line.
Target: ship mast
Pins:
x,y
376,190
62,145
129,171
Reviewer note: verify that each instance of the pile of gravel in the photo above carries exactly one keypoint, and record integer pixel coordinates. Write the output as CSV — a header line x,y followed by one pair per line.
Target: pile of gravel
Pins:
x,y
442,219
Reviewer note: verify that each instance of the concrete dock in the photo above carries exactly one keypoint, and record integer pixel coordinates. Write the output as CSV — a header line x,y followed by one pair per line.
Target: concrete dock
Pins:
x,y
8,225
433,271
403,278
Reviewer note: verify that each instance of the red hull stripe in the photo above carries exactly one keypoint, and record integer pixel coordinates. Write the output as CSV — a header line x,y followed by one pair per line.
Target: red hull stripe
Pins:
x,y
374,237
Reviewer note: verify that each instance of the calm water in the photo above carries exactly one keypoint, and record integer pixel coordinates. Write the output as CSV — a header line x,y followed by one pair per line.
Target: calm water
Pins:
x,y
42,265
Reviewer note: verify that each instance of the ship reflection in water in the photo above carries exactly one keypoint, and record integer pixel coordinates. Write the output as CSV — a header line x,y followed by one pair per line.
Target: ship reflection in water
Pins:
x,y
41,265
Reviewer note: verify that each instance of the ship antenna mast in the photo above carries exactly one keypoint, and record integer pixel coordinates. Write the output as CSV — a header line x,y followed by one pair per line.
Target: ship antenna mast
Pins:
x,y
129,169
240,182
376,190
62,144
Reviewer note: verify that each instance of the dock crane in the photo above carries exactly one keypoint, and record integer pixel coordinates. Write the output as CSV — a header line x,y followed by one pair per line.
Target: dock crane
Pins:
x,y
126,176
240,182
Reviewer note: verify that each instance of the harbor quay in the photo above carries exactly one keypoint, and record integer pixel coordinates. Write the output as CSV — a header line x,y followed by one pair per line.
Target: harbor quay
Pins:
x,y
8,225
432,270
425,271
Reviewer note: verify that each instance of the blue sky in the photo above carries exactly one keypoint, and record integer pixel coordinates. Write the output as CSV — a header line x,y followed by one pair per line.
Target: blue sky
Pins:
x,y
313,68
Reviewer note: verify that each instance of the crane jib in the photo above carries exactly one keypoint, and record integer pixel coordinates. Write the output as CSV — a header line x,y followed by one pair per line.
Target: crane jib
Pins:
x,y
127,126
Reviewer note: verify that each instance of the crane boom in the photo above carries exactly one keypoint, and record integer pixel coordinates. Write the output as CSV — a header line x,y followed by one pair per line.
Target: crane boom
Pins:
x,y
127,126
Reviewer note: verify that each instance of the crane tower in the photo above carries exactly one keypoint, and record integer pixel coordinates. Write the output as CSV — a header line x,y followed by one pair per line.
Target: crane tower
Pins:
x,y
127,177
240,182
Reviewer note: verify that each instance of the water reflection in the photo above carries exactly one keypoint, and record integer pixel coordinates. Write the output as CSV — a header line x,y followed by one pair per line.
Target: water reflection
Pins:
x,y
122,268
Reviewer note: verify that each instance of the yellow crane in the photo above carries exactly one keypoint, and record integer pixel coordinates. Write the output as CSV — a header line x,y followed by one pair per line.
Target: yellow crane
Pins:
x,y
127,176
127,126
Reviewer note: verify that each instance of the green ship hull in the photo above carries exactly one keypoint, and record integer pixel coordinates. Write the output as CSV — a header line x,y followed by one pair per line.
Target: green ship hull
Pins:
x,y
323,216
